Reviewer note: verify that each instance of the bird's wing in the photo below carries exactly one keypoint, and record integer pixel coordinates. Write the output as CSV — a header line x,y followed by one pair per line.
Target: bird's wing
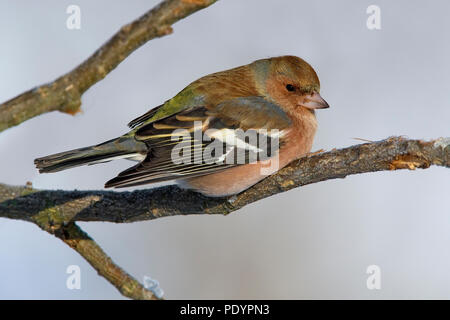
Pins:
x,y
146,116
183,100
200,140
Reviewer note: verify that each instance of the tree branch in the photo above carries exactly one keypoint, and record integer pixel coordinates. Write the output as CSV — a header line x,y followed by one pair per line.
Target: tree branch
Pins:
x,y
56,211
64,94
60,207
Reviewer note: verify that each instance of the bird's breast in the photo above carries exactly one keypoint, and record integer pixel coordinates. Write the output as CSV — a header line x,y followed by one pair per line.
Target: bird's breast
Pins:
x,y
298,142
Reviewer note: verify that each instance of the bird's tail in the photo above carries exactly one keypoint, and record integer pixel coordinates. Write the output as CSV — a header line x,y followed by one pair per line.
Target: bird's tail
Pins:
x,y
122,147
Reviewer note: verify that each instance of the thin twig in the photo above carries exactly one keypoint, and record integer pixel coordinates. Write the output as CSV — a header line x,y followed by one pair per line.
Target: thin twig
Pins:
x,y
64,94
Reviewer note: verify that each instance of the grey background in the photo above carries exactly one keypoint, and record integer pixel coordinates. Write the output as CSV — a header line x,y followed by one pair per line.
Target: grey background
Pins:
x,y
312,242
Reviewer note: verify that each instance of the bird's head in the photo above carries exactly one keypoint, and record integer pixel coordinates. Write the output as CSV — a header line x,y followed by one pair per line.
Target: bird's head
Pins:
x,y
290,82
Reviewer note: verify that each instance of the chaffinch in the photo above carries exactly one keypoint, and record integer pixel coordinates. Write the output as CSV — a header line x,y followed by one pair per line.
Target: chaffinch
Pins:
x,y
214,135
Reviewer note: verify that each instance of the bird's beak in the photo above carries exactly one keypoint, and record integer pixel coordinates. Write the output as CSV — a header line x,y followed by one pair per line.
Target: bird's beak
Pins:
x,y
314,101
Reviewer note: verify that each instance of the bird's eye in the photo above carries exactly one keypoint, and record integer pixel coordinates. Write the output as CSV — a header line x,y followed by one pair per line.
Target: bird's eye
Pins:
x,y
290,87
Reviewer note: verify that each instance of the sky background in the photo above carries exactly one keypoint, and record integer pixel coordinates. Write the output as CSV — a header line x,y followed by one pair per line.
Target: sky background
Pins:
x,y
311,242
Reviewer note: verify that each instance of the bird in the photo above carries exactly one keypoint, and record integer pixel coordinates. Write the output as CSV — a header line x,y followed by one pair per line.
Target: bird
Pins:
x,y
241,112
